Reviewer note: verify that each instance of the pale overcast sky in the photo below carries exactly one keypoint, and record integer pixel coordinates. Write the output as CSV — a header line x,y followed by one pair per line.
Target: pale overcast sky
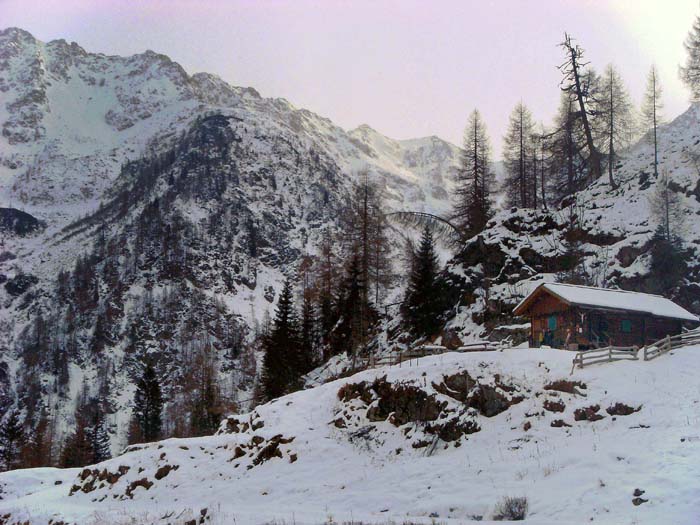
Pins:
x,y
407,68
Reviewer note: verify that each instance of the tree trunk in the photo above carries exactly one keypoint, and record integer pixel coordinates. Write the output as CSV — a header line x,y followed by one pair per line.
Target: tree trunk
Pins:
x,y
594,169
611,156
521,173
656,146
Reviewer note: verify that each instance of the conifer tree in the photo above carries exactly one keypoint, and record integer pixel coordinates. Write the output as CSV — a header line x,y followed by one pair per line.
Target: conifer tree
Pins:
x,y
614,120
100,337
668,264
667,208
77,449
472,208
205,398
690,72
88,443
539,166
327,277
11,440
97,436
424,301
148,405
38,449
364,233
651,113
308,340
349,335
280,363
518,154
564,144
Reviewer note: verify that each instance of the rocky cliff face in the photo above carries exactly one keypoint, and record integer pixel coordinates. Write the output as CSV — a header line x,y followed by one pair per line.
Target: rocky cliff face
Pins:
x,y
170,208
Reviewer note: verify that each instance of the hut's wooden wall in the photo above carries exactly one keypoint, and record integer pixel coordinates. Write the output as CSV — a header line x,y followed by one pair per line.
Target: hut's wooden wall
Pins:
x,y
584,328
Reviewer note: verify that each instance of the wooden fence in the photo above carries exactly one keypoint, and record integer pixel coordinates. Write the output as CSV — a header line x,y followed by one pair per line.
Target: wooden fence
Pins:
x,y
671,342
625,353
604,355
481,346
396,358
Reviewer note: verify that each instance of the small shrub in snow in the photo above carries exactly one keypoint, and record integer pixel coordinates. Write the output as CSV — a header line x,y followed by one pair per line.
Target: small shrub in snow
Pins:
x,y
562,385
588,413
554,406
621,409
511,509
559,423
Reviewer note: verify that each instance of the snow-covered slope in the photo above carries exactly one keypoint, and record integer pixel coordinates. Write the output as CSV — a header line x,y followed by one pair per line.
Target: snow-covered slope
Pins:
x,y
441,440
612,229
79,128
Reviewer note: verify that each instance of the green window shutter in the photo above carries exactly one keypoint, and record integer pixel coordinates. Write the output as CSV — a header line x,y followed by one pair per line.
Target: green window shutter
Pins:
x,y
552,322
626,326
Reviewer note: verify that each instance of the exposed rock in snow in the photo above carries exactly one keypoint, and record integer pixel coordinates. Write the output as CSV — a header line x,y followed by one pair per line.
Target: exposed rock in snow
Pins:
x,y
447,438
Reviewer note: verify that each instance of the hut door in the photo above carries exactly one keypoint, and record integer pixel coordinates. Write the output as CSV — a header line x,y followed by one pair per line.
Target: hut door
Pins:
x,y
602,329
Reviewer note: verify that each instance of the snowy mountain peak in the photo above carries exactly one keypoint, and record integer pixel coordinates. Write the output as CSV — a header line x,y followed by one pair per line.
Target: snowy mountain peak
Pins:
x,y
16,35
70,119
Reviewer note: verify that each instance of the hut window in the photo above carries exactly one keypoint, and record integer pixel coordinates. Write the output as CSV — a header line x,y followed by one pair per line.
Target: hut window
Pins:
x,y
552,322
626,326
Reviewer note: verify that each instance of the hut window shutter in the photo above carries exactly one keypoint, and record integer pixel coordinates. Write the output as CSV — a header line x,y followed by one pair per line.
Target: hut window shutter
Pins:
x,y
626,326
552,322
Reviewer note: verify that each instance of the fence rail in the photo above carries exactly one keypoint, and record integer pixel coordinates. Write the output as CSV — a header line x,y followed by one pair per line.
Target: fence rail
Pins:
x,y
396,358
604,355
624,353
671,342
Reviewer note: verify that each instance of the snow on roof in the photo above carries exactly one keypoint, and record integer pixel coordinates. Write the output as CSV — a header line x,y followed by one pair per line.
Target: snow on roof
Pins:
x,y
604,298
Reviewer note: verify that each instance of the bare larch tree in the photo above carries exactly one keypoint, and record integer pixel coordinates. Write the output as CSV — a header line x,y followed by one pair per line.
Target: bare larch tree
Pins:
x,y
651,113
574,82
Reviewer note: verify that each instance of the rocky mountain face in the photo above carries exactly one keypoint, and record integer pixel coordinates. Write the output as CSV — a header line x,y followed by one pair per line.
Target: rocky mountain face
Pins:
x,y
155,213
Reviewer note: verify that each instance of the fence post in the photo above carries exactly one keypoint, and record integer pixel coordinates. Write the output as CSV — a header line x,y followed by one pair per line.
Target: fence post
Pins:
x,y
609,354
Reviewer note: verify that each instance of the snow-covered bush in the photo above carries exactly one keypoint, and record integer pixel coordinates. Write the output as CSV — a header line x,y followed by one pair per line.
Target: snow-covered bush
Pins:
x,y
511,509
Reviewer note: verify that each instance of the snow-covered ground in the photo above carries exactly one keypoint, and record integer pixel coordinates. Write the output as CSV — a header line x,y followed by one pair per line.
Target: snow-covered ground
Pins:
x,y
316,456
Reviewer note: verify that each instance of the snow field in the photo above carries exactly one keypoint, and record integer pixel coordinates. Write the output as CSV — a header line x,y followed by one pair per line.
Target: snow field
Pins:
x,y
585,472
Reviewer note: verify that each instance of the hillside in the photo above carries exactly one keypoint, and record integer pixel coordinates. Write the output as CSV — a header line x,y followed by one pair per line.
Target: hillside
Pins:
x,y
611,230
103,157
441,440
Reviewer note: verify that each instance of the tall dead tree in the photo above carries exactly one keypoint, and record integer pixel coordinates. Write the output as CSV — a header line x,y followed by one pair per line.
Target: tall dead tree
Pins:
x,y
574,83
565,147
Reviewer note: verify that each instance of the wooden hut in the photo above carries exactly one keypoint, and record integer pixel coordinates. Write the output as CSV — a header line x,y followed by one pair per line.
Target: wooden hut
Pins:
x,y
582,317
